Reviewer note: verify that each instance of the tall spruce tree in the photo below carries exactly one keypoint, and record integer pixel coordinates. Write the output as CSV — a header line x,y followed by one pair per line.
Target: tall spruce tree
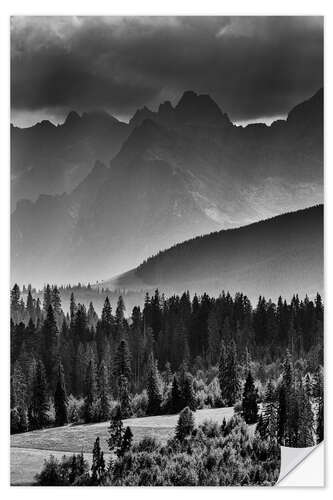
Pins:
x,y
107,318
39,404
306,423
124,397
47,298
229,373
116,432
122,362
72,310
60,398
103,389
250,401
90,392
120,318
176,396
282,415
188,392
98,471
30,307
49,346
153,388
269,410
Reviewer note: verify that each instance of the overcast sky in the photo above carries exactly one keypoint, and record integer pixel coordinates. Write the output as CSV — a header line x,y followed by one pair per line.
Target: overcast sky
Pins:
x,y
254,67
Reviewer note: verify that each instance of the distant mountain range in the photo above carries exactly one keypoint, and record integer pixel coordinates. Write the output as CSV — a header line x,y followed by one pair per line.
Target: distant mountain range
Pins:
x,y
176,173
279,256
49,159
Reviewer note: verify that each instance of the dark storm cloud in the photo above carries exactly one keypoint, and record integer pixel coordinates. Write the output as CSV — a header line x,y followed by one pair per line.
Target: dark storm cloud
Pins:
x,y
259,66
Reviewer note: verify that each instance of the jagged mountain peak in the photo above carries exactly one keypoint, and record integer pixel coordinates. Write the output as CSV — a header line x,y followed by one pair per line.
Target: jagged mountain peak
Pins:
x,y
193,107
165,107
72,118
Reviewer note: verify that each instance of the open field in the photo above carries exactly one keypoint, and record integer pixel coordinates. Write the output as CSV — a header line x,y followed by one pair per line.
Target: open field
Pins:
x,y
29,450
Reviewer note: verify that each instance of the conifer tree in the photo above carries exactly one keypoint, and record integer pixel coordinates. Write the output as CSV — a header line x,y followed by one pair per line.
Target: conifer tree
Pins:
x,y
92,316
153,389
188,392
250,401
176,396
107,318
72,310
14,303
120,320
56,300
269,411
103,387
126,441
39,404
306,424
90,392
122,361
60,399
19,387
213,337
116,432
229,373
282,415
287,371
98,471
38,311
222,367
124,397
47,298
49,345
185,424
30,306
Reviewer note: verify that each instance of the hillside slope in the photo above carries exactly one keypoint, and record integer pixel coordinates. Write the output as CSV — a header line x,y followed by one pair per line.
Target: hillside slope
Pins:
x,y
278,256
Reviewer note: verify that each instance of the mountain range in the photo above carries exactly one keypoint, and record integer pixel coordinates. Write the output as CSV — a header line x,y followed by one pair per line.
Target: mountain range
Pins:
x,y
282,255
174,174
49,159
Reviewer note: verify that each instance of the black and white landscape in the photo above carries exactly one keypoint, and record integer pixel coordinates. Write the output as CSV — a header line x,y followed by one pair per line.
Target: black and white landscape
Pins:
x,y
166,248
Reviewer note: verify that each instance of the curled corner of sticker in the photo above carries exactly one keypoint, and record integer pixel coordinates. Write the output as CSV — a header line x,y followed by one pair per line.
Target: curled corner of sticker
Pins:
x,y
293,457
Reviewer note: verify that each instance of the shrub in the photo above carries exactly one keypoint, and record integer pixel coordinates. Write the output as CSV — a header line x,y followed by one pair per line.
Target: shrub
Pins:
x,y
148,444
71,470
74,409
50,474
210,428
139,404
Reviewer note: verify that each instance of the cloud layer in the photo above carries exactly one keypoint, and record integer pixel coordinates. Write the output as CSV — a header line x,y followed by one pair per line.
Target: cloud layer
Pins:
x,y
252,66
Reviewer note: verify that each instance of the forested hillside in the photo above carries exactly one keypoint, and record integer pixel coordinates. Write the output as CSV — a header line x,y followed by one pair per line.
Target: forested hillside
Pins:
x,y
279,255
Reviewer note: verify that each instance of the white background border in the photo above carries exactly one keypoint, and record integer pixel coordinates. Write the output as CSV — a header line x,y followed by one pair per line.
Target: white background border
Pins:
x,y
171,7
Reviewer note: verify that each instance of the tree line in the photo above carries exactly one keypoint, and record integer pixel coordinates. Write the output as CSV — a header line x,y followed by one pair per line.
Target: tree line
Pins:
x,y
176,352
